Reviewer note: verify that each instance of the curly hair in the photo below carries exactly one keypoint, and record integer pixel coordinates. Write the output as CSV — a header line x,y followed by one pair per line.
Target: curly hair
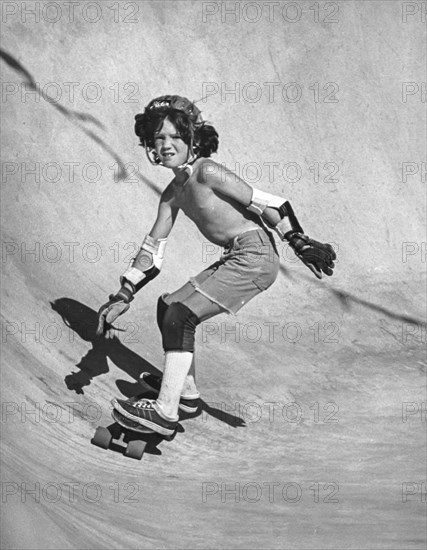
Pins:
x,y
195,133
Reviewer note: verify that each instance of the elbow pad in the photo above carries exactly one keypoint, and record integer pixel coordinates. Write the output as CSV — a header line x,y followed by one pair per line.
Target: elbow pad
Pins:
x,y
288,224
147,263
261,200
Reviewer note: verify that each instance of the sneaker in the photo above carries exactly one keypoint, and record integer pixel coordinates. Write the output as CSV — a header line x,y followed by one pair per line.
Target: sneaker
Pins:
x,y
188,404
144,412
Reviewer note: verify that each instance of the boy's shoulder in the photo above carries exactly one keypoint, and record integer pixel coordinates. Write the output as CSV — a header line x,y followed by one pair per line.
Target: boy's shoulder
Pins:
x,y
205,169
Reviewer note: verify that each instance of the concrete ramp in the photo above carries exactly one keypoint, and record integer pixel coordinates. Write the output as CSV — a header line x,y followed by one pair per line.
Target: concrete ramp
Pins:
x,y
312,428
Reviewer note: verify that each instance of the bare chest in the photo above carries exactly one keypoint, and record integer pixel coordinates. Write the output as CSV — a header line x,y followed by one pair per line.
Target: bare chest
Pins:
x,y
197,201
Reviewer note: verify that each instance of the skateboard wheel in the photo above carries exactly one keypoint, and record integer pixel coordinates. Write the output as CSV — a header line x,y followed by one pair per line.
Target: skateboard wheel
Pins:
x,y
135,449
116,431
102,438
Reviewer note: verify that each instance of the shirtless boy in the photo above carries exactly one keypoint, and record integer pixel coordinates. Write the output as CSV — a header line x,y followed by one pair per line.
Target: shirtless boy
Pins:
x,y
228,212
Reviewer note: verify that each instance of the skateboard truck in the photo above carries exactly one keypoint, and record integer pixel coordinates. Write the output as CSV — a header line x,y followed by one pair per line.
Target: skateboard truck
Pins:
x,y
125,431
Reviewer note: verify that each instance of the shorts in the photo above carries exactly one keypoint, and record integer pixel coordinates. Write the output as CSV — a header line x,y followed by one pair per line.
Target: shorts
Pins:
x,y
249,265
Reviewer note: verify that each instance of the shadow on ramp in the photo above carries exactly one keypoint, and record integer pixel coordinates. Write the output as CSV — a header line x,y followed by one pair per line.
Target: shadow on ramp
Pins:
x,y
78,118
83,321
347,300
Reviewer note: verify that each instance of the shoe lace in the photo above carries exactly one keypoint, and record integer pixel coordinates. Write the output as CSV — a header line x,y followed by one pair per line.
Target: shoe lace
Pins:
x,y
144,404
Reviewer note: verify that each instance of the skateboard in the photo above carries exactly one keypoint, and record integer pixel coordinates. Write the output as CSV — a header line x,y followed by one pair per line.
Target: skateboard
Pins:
x,y
134,437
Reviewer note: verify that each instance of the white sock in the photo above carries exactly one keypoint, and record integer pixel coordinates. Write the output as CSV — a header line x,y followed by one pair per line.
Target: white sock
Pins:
x,y
190,389
177,365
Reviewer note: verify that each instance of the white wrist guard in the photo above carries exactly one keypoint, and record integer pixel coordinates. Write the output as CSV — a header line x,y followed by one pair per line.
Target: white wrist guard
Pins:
x,y
147,263
283,227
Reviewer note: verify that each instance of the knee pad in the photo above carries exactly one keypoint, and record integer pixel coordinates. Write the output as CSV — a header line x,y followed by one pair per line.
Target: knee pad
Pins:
x,y
178,328
162,307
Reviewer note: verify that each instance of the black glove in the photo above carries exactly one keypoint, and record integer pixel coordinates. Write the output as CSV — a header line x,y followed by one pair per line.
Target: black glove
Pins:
x,y
109,312
318,257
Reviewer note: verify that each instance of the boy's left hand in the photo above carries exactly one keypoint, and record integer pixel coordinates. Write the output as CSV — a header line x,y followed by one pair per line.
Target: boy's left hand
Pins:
x,y
317,256
108,313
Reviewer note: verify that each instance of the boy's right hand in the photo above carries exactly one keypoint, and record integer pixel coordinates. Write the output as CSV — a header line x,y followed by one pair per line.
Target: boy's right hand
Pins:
x,y
318,257
110,311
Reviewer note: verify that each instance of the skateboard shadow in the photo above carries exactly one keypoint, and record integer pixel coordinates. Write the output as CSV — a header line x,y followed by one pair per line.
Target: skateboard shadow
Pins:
x,y
83,321
218,413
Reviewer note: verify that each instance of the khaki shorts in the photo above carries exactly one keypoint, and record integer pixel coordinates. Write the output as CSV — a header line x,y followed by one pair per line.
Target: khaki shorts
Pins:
x,y
248,266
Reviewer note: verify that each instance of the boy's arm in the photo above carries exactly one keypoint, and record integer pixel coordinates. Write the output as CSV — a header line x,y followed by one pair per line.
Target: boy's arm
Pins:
x,y
143,268
276,212
147,263
229,184
166,216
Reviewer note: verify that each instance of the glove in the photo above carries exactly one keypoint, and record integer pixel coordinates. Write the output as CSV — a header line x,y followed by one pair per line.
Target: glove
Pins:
x,y
318,257
109,312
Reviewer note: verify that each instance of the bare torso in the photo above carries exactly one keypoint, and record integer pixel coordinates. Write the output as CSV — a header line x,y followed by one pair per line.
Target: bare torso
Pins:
x,y
218,218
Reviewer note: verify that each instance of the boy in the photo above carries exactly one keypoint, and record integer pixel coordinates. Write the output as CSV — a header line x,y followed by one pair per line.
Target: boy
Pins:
x,y
229,213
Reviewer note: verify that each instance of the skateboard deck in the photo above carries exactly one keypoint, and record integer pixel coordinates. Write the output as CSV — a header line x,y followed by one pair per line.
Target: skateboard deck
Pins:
x,y
133,436
130,424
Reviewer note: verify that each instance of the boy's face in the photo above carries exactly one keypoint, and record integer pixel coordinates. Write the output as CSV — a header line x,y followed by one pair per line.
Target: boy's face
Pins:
x,y
169,146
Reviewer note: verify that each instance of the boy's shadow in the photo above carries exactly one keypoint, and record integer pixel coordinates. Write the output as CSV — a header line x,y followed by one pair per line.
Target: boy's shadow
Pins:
x,y
83,321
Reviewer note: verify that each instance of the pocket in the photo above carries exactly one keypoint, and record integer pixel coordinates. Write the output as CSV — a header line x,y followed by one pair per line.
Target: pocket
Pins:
x,y
268,270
